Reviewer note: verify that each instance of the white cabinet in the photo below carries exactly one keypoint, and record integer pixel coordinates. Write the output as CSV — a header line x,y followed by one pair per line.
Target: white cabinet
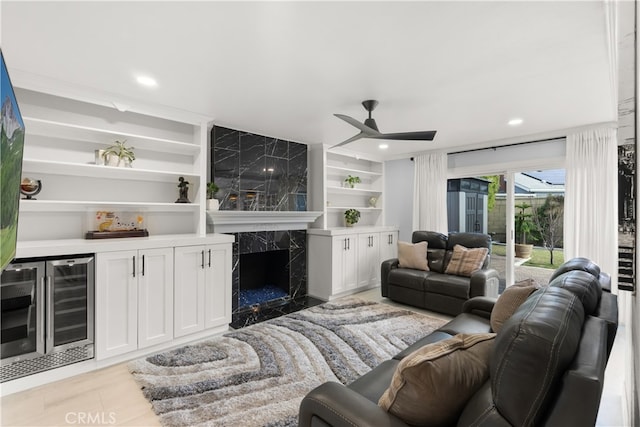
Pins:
x,y
62,136
344,275
202,288
134,295
155,297
388,245
330,194
368,259
349,257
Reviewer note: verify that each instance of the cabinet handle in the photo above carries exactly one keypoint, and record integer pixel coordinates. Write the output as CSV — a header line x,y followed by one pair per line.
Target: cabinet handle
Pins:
x,y
202,259
134,266
344,244
50,320
209,258
348,243
143,265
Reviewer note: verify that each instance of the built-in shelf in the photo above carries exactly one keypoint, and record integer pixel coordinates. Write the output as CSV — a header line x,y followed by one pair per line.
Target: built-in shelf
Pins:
x,y
350,171
98,171
83,205
354,191
93,135
343,208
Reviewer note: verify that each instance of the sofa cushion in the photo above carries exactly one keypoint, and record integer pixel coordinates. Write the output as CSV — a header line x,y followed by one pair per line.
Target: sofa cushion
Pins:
x,y
374,383
408,278
465,323
434,336
413,255
437,247
465,261
584,285
446,284
431,385
509,301
582,264
532,352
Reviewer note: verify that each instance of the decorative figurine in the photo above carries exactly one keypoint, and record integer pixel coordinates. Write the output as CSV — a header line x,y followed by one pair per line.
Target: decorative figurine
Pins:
x,y
30,187
184,191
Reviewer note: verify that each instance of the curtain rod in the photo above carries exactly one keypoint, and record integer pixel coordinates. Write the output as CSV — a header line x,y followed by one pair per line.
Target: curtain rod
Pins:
x,y
506,145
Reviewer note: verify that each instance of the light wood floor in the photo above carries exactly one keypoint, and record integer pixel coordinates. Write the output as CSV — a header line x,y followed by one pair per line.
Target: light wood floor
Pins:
x,y
110,396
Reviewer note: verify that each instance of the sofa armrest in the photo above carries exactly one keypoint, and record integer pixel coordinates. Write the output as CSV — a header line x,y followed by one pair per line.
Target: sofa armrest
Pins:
x,y
336,405
385,269
480,306
484,283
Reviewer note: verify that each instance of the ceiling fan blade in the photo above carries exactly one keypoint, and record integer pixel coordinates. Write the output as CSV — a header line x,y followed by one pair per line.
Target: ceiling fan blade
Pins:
x,y
353,122
407,136
353,138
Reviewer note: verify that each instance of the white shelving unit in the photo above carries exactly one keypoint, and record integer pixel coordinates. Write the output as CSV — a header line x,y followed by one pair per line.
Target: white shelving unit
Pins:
x,y
62,136
330,195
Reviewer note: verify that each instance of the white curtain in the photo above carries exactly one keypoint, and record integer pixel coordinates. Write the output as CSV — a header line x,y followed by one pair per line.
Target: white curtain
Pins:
x,y
430,193
591,198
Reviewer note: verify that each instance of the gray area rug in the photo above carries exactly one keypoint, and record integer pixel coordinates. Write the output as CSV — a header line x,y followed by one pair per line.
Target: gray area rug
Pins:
x,y
258,375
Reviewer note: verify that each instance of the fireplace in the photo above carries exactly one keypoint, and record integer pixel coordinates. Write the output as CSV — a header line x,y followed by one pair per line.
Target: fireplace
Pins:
x,y
264,278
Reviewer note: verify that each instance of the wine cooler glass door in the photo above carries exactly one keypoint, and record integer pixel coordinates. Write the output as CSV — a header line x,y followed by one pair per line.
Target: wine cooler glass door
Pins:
x,y
22,321
70,288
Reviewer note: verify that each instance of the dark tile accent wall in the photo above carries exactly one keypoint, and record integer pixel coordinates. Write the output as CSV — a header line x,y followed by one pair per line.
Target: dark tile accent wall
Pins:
x,y
262,241
258,173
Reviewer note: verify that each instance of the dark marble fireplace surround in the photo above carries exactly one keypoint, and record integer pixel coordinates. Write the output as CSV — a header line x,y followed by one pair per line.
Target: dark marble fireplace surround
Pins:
x,y
258,173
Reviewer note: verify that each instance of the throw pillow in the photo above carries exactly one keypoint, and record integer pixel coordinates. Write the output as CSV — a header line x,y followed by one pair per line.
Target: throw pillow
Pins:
x,y
432,385
413,255
465,262
509,301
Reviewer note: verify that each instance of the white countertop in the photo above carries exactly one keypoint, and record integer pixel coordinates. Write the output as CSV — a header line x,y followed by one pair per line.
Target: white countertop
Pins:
x,y
78,246
339,231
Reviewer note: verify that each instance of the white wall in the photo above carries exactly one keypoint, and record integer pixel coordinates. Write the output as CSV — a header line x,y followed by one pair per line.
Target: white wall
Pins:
x,y
398,196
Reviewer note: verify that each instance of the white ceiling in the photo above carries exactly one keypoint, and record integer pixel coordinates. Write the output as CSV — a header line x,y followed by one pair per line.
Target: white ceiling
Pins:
x,y
283,68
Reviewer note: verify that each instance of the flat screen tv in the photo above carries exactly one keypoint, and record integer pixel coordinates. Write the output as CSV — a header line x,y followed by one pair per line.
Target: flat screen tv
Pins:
x,y
10,168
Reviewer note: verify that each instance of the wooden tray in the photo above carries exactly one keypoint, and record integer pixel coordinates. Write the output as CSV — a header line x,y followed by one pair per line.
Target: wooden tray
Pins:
x,y
115,234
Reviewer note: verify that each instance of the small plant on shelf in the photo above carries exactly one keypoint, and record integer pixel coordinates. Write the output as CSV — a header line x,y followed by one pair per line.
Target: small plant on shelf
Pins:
x,y
212,189
212,203
351,216
119,154
351,181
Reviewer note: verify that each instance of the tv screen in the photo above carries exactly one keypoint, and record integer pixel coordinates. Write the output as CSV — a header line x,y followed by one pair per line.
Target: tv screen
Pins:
x,y
10,168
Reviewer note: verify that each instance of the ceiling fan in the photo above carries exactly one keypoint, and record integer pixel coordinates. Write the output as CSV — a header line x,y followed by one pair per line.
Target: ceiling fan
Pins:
x,y
370,129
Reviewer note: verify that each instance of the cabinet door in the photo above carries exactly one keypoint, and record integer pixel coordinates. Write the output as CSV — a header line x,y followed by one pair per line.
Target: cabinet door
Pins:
x,y
344,262
117,303
368,256
388,245
218,286
189,287
155,296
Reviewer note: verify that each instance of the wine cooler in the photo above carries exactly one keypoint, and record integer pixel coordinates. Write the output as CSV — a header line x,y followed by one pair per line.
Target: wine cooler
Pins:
x,y
47,318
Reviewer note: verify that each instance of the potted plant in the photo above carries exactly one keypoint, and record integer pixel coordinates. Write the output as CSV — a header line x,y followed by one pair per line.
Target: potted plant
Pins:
x,y
524,227
351,216
212,203
119,155
351,181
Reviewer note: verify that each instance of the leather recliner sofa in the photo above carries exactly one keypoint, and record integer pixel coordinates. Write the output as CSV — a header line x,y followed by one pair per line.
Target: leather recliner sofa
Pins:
x,y
434,289
546,367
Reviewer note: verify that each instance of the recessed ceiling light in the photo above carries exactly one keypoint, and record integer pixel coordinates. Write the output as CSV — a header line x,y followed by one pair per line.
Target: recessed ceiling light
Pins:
x,y
147,81
515,122
383,146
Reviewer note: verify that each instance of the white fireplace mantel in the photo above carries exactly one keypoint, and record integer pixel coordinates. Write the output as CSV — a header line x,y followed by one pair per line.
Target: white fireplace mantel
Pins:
x,y
243,221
